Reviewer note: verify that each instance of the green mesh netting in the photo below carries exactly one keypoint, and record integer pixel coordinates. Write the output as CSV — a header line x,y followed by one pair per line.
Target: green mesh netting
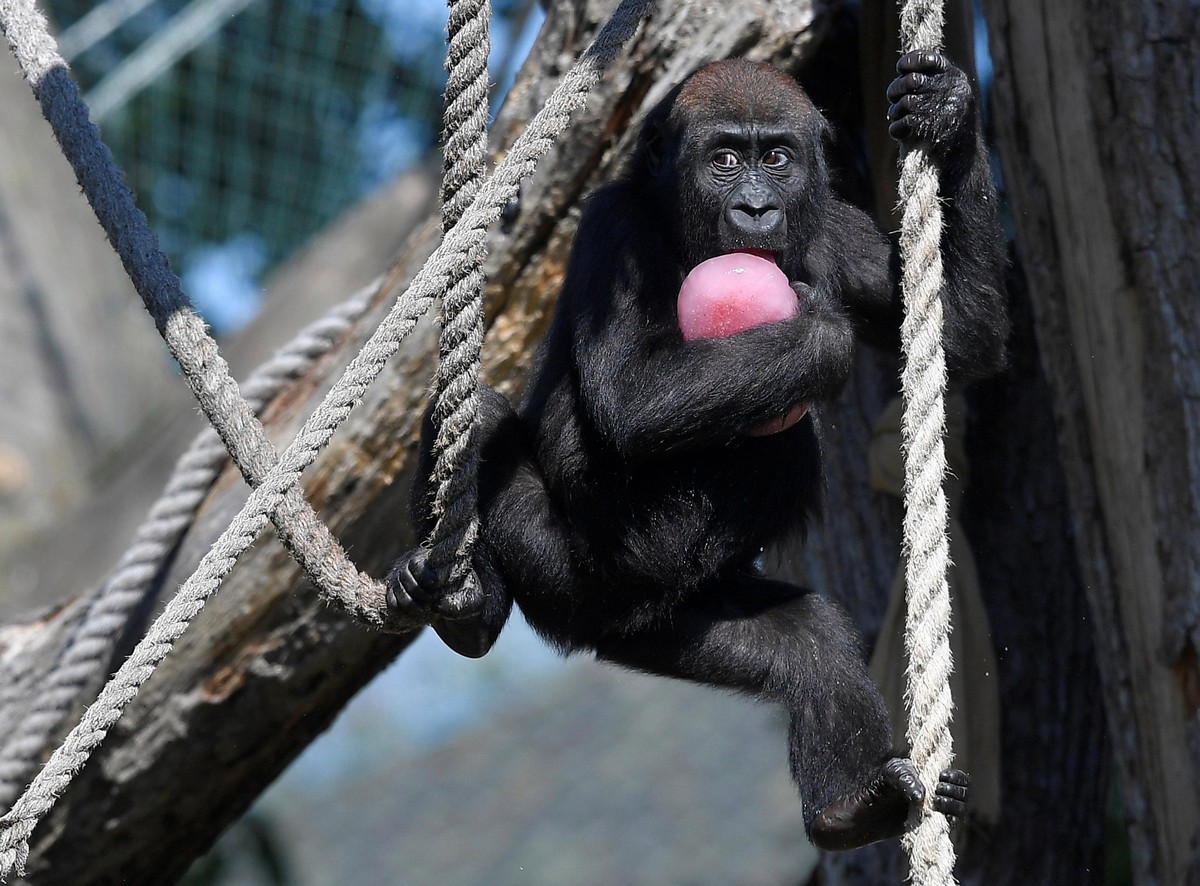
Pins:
x,y
245,126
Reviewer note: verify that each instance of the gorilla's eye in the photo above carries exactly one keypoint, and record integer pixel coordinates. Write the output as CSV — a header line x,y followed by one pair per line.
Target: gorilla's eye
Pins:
x,y
776,159
726,160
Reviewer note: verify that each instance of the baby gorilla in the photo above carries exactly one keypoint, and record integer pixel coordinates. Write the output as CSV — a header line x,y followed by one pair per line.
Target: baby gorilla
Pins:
x,y
624,506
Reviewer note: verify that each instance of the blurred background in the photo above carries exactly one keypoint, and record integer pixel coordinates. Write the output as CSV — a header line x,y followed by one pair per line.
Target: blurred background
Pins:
x,y
247,126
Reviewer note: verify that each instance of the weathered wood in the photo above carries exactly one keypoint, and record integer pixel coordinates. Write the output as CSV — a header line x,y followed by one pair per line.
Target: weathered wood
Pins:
x,y
1016,520
266,667
82,545
1096,121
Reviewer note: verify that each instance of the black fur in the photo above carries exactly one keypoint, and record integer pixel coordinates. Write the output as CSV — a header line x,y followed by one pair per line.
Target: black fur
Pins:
x,y
625,504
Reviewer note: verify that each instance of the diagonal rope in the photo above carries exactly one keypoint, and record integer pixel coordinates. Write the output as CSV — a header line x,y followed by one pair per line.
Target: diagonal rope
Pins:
x,y
25,30
308,540
928,624
456,446
90,648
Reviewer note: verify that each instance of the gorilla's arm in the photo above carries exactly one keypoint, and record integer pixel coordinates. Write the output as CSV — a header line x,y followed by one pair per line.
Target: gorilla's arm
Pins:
x,y
933,105
644,389
660,394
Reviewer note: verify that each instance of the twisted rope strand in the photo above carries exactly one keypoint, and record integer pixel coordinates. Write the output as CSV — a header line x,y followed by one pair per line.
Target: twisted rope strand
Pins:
x,y
926,517
540,135
90,649
466,111
456,444
308,540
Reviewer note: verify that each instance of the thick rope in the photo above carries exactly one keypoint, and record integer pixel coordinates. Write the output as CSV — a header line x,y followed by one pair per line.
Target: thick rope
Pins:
x,y
90,649
928,625
433,278
308,540
456,444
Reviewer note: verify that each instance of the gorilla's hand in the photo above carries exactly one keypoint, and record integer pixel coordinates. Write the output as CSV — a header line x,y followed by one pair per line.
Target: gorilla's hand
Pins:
x,y
932,104
881,809
414,591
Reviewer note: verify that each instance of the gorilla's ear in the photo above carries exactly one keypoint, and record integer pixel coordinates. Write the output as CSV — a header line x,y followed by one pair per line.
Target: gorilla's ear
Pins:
x,y
653,147
823,138
654,137
650,158
826,135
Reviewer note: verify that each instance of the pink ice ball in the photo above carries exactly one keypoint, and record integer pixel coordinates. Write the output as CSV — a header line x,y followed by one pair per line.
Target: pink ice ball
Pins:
x,y
732,293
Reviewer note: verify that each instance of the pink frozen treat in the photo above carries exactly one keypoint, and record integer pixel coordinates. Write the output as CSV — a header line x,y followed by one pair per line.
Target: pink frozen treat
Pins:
x,y
732,293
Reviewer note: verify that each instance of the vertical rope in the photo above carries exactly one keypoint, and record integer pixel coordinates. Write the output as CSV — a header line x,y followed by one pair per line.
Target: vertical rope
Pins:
x,y
928,625
456,446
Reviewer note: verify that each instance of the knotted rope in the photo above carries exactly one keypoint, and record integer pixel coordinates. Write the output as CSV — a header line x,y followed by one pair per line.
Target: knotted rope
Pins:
x,y
923,381
35,50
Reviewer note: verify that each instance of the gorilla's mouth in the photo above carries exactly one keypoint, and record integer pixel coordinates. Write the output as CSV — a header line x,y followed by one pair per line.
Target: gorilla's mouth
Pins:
x,y
785,421
733,292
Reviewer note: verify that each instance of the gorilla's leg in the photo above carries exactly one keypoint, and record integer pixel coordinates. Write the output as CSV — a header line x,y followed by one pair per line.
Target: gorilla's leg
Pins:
x,y
789,645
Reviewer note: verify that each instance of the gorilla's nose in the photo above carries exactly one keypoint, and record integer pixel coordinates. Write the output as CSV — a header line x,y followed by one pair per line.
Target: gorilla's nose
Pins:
x,y
755,211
